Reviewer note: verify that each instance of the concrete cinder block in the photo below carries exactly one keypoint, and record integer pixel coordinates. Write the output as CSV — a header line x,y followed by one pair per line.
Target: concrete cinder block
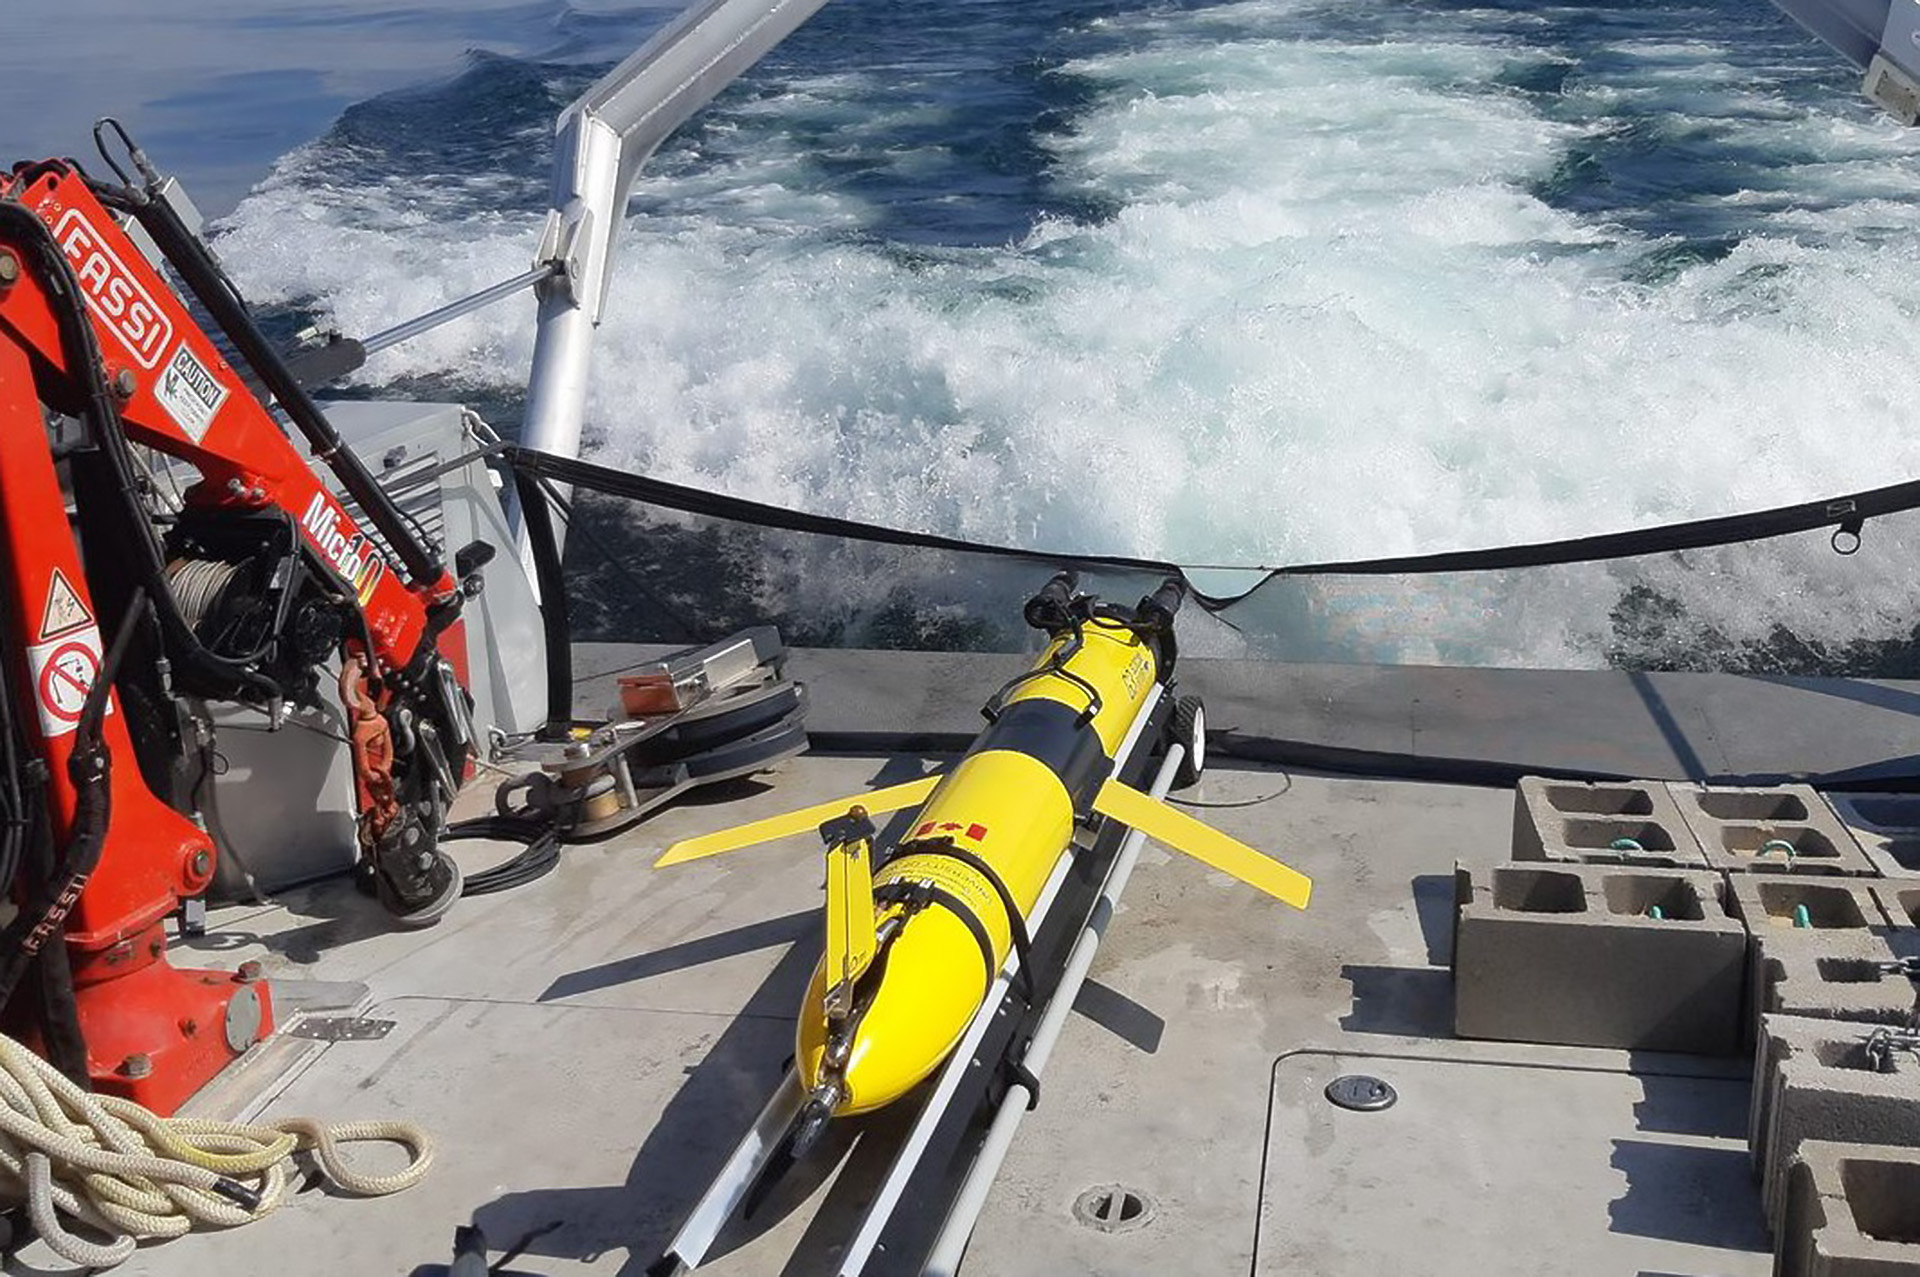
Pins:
x,y
1773,904
1835,975
1822,1080
1900,902
1786,829
1625,823
1852,1210
1887,827
1779,1035
1797,914
1575,955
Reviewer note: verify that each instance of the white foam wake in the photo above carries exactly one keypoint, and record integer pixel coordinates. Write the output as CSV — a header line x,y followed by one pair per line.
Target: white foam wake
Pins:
x,y
1332,318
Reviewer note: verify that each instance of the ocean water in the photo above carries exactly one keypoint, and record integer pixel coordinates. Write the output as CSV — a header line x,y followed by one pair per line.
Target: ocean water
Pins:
x,y
1256,282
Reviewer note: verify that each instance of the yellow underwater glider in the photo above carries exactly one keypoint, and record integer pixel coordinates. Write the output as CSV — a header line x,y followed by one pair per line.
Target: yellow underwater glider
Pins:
x,y
917,936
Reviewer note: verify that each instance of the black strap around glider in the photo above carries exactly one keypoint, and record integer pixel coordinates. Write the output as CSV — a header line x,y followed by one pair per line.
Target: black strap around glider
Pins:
x,y
1016,921
915,896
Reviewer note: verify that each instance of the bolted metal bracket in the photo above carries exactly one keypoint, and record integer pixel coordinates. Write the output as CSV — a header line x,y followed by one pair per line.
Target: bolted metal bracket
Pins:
x,y
339,1028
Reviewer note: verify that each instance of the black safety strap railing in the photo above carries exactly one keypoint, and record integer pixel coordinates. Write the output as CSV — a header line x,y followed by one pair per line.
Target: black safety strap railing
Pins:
x,y
537,475
673,496
1846,514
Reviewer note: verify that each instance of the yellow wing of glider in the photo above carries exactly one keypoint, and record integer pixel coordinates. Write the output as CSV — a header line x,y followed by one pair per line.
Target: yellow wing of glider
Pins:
x,y
1203,842
804,821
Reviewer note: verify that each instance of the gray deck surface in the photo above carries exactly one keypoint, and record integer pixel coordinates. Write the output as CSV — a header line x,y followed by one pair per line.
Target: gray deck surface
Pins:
x,y
588,1048
1678,726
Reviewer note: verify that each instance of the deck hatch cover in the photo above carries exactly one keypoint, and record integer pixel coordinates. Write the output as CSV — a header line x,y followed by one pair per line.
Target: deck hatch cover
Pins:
x,y
1361,1093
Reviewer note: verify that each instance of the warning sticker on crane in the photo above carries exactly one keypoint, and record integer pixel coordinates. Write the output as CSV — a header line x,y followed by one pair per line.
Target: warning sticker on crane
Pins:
x,y
65,612
190,393
64,671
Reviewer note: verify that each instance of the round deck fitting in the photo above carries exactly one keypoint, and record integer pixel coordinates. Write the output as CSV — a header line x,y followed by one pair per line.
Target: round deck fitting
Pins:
x,y
244,1015
1113,1208
1361,1093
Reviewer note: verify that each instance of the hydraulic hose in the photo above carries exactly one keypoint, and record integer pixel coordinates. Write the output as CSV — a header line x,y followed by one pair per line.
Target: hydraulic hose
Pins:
x,y
541,854
216,292
82,354
25,847
91,769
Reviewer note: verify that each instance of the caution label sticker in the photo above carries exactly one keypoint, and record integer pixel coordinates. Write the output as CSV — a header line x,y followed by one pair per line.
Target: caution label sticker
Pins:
x,y
64,671
961,881
190,393
64,613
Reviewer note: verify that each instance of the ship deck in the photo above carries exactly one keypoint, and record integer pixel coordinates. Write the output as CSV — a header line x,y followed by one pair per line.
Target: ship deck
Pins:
x,y
587,1049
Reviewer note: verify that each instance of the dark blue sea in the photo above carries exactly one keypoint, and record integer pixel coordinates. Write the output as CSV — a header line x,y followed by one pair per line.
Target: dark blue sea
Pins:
x,y
1250,282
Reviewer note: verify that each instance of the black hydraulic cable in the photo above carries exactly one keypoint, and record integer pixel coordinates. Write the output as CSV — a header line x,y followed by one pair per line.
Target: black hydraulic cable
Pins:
x,y
59,1015
541,855
1847,514
17,814
90,767
82,352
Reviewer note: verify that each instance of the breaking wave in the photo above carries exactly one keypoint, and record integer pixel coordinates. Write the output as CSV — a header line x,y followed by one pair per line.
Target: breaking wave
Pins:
x,y
1254,282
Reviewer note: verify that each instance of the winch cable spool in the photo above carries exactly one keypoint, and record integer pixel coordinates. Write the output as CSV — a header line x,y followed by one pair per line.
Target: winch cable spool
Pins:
x,y
198,585
200,589
116,1167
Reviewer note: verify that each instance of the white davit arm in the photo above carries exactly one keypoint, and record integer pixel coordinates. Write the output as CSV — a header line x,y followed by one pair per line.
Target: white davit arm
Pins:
x,y
602,141
1881,37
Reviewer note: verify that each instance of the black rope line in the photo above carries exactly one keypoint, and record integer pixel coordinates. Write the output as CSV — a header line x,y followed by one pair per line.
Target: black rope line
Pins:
x,y
674,496
1847,514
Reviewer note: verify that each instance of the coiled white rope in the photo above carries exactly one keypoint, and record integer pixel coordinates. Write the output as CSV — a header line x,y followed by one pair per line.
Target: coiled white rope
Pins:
x,y
132,1175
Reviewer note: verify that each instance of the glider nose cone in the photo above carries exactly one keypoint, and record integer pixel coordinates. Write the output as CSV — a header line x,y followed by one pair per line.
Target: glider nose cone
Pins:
x,y
921,1001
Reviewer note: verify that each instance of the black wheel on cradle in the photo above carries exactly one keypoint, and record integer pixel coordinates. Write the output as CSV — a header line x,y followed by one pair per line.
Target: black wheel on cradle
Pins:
x,y
1188,729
